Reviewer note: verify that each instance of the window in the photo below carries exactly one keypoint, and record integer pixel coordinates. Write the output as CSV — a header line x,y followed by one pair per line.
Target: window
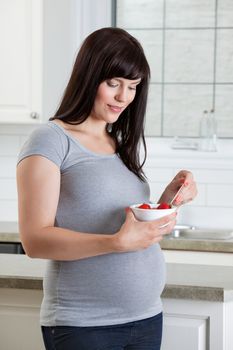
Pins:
x,y
189,47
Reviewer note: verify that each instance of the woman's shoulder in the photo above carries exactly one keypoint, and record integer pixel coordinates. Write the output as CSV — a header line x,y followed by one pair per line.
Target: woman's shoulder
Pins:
x,y
49,131
46,140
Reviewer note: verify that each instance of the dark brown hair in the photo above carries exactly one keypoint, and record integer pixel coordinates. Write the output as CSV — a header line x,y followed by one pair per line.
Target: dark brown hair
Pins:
x,y
105,54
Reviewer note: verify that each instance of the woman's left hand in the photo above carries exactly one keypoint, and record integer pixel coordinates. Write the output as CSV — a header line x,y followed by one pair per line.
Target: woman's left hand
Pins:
x,y
187,193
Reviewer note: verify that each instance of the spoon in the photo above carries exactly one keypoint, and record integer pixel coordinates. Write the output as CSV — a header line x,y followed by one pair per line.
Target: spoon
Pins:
x,y
176,195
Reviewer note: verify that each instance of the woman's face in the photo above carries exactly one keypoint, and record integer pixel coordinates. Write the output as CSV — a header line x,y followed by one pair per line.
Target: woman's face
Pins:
x,y
113,96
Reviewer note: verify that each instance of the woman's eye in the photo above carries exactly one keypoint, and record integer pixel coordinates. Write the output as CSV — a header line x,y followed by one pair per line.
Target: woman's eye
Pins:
x,y
111,84
132,88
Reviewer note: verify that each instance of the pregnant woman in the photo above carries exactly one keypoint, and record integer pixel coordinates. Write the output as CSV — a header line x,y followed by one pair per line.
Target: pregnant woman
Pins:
x,y
77,175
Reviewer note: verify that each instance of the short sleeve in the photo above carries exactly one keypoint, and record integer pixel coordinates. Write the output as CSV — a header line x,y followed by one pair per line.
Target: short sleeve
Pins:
x,y
46,142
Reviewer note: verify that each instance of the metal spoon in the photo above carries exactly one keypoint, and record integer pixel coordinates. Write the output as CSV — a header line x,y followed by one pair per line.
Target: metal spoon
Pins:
x,y
173,199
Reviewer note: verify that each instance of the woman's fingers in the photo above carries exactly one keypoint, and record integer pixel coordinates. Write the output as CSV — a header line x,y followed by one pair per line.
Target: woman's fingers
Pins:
x,y
166,227
187,193
184,174
164,224
188,189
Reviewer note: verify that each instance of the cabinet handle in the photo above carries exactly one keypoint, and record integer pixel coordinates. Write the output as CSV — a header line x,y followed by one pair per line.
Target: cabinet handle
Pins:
x,y
34,115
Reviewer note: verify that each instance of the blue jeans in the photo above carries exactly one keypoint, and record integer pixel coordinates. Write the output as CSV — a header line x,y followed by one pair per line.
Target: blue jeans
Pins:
x,y
139,335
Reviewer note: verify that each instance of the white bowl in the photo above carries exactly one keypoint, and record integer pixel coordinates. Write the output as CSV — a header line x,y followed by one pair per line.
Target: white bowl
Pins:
x,y
150,214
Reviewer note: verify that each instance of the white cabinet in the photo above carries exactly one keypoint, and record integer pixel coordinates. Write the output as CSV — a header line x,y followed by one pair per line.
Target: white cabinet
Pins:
x,y
184,332
19,319
38,44
188,324
197,325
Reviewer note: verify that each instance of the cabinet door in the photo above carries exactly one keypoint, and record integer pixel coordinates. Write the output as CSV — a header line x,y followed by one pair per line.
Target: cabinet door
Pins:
x,y
19,319
20,60
181,332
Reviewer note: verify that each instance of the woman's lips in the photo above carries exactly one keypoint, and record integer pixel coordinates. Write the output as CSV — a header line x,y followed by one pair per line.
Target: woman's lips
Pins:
x,y
115,109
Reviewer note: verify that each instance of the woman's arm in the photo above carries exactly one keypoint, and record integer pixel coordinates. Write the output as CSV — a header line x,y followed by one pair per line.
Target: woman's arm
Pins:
x,y
38,181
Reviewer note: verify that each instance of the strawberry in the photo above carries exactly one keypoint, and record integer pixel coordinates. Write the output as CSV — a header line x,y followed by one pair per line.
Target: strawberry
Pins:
x,y
144,206
164,206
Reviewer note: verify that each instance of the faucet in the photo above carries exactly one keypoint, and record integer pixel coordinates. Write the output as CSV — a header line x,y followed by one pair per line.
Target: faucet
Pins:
x,y
178,228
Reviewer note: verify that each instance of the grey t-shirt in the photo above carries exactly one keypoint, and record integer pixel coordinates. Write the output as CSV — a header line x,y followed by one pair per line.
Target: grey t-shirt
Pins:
x,y
95,190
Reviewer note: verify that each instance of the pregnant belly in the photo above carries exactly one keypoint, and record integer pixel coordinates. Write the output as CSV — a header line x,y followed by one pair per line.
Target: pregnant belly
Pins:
x,y
115,281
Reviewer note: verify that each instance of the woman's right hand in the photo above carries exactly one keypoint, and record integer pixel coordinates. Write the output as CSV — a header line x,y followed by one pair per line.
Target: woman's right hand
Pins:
x,y
135,235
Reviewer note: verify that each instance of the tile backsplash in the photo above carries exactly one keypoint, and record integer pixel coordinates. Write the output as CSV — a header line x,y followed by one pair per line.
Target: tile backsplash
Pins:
x,y
189,47
213,172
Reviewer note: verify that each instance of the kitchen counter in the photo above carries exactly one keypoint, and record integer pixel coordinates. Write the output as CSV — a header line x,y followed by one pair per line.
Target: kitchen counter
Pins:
x,y
195,282
9,234
21,272
201,245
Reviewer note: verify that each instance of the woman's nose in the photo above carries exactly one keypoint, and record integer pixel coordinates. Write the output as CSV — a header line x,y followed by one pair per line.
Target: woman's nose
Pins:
x,y
121,95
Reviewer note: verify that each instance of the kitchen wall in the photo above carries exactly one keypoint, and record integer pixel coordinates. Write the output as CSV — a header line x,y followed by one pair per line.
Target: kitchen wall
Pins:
x,y
213,171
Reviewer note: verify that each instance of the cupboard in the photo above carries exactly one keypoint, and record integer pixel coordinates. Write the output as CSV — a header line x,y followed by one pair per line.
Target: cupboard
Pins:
x,y
38,43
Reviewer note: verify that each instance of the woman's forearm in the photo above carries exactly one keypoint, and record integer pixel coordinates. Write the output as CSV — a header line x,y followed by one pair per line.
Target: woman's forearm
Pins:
x,y
57,243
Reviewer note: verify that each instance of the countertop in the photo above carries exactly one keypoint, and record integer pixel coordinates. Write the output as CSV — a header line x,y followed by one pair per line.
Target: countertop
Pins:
x,y
201,245
195,282
9,234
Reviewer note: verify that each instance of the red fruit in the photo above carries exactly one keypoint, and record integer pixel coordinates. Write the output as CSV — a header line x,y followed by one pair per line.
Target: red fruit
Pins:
x,y
164,206
144,206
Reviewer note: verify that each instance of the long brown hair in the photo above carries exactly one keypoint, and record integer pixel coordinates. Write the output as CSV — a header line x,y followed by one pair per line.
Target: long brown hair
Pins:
x,y
105,54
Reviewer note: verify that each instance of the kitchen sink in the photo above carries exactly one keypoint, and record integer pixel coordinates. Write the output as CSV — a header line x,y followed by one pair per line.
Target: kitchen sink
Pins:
x,y
192,232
